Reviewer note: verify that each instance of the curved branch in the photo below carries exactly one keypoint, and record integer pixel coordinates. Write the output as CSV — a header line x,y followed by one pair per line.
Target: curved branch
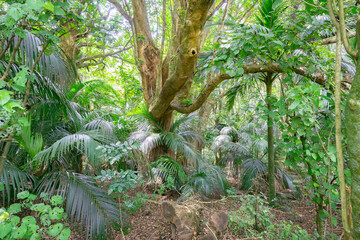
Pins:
x,y
205,93
344,36
250,68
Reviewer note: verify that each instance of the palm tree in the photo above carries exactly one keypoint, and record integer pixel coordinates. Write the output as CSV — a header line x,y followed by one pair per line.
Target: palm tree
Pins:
x,y
177,143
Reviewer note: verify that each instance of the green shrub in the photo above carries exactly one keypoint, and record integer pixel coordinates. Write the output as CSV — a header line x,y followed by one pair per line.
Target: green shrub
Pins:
x,y
285,231
132,204
252,217
42,221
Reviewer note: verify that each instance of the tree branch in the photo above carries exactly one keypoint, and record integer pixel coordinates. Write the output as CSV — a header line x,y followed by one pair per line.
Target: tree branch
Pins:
x,y
249,68
333,40
16,48
79,63
344,36
216,9
7,46
187,56
120,9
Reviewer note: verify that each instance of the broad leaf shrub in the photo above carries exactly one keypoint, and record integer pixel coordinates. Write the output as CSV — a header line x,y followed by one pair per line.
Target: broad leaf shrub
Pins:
x,y
43,220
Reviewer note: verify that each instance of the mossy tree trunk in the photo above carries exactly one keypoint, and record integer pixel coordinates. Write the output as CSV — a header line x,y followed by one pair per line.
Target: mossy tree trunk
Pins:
x,y
270,128
352,122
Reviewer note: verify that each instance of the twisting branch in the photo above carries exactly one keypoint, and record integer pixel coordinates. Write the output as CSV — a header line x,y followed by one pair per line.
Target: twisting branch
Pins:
x,y
249,68
344,36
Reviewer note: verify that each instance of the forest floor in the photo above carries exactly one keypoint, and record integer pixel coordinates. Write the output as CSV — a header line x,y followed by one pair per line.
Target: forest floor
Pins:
x,y
148,223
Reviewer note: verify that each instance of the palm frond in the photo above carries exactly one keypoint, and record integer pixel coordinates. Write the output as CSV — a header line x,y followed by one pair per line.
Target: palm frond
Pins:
x,y
270,10
184,121
208,182
15,181
53,66
107,128
85,142
178,144
283,178
31,143
252,170
86,203
145,119
150,143
165,167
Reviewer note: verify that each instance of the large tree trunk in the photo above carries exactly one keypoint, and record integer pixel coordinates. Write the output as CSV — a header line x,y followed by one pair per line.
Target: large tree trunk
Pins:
x,y
271,161
352,121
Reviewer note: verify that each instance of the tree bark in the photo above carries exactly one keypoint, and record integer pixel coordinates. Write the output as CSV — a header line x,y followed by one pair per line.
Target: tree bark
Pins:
x,y
352,122
338,135
271,161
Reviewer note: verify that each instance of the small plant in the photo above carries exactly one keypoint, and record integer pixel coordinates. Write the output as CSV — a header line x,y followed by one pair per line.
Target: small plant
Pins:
x,y
252,217
134,203
116,153
285,231
121,181
44,221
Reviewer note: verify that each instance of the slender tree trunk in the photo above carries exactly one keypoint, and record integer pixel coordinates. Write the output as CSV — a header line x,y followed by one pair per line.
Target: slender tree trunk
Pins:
x,y
339,153
319,221
271,162
352,122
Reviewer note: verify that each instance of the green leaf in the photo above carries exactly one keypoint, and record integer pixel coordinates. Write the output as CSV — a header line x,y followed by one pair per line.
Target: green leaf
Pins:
x,y
239,71
4,96
28,220
56,200
14,221
14,208
38,207
32,197
19,232
334,220
65,234
231,73
45,220
49,6
54,230
10,105
33,228
56,214
294,105
35,4
323,214
1,187
2,84
23,195
15,12
35,236
4,215
5,230
59,11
